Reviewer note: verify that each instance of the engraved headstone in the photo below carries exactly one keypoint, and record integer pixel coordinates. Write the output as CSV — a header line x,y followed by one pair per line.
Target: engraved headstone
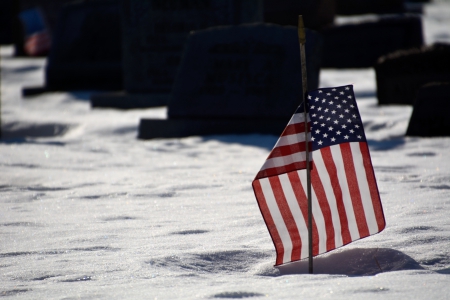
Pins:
x,y
232,79
86,48
400,74
154,34
430,114
360,45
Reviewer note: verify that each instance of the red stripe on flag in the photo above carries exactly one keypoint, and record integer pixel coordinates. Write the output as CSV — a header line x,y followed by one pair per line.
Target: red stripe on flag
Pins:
x,y
288,150
281,170
37,44
288,218
353,187
324,207
374,194
302,201
295,128
332,172
269,221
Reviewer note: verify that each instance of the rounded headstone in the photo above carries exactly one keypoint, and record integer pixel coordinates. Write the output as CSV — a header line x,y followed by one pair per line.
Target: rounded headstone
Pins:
x,y
359,45
86,48
155,31
317,14
400,74
430,113
49,8
359,7
7,15
247,71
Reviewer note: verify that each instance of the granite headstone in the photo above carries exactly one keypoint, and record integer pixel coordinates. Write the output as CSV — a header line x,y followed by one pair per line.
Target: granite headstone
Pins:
x,y
7,15
400,74
154,34
10,26
86,48
430,113
49,8
317,14
359,7
238,79
360,45
247,71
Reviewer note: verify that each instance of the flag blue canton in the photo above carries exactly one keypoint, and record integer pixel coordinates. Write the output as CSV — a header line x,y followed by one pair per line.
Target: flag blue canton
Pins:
x,y
334,116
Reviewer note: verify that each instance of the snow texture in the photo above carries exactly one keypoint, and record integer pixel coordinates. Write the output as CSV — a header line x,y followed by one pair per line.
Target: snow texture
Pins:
x,y
88,211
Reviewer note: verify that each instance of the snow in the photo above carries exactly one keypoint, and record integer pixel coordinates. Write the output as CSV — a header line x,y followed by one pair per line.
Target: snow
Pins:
x,y
88,211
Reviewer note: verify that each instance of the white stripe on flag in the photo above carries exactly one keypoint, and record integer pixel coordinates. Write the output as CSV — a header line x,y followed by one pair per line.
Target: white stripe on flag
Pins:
x,y
348,204
326,182
284,160
297,118
317,213
291,139
296,213
277,218
364,188
320,222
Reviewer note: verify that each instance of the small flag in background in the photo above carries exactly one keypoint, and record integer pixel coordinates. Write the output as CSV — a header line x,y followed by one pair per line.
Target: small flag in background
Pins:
x,y
346,204
38,43
37,37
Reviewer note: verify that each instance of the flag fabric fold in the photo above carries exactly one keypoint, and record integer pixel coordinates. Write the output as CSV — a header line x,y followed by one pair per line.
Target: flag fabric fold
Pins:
x,y
346,204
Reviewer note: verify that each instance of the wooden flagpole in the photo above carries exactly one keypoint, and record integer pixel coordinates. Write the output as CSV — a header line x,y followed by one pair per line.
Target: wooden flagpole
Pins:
x,y
0,94
302,41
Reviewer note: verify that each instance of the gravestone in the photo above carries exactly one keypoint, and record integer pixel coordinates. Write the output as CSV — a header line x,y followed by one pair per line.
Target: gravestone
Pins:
x,y
359,7
154,33
360,45
400,74
86,49
7,15
430,114
238,79
10,27
317,14
49,8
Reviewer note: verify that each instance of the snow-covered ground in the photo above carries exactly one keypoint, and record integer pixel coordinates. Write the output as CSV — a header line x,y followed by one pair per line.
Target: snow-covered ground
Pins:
x,y
91,212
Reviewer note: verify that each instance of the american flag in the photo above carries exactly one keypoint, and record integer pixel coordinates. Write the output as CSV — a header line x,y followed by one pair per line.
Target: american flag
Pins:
x,y
346,204
38,43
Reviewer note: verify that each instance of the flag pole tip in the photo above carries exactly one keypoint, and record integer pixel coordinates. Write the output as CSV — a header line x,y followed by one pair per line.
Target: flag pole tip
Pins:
x,y
301,30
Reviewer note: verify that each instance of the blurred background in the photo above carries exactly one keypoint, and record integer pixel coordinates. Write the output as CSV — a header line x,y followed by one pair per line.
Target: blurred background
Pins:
x,y
134,49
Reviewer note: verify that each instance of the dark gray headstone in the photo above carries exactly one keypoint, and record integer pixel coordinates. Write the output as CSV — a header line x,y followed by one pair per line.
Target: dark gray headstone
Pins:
x,y
359,7
236,80
49,8
86,52
317,14
247,71
7,15
360,45
155,31
86,48
430,114
400,74
154,34
10,27
172,128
